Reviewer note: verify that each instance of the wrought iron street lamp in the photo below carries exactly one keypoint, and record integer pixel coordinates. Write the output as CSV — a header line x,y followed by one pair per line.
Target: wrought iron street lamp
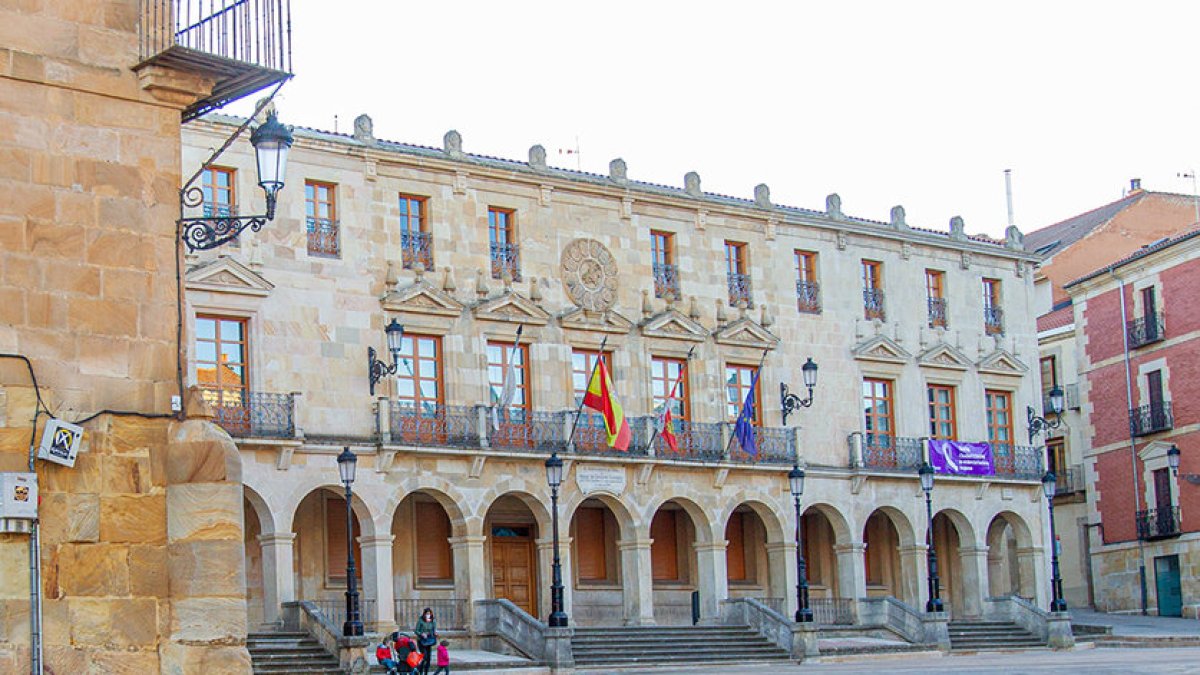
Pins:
x,y
1057,603
789,402
271,141
1039,424
1173,457
376,369
346,467
554,476
804,613
934,604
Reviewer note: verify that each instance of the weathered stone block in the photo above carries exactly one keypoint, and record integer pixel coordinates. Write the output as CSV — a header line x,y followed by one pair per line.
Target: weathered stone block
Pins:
x,y
90,619
123,662
84,477
201,452
83,519
124,474
211,511
181,659
206,568
135,622
14,555
14,621
148,570
139,519
65,658
93,569
208,619
56,622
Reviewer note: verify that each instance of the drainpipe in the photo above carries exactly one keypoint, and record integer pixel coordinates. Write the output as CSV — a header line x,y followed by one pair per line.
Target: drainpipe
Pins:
x,y
1132,438
35,574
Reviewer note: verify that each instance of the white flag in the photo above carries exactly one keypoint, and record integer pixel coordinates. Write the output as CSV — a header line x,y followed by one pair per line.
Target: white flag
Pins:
x,y
509,389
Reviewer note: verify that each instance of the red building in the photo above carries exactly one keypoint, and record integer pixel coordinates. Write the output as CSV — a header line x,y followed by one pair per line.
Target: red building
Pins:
x,y
1138,336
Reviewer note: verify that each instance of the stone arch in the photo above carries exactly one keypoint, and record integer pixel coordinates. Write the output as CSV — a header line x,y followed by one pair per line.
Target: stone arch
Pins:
x,y
538,504
952,533
843,533
266,516
766,511
450,499
597,526
889,551
700,519
821,542
257,521
318,561
755,560
1011,564
626,520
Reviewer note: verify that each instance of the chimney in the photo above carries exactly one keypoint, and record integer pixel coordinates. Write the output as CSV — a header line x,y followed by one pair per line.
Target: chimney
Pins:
x,y
1135,184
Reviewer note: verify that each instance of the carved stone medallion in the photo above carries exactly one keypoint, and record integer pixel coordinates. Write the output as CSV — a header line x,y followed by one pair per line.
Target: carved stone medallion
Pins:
x,y
589,275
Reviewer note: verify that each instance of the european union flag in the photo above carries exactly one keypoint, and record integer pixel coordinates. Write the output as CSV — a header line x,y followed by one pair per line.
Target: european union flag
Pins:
x,y
744,429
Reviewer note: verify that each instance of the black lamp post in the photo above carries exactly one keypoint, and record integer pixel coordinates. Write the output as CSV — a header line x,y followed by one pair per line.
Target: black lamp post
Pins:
x,y
1038,424
789,402
353,625
1057,603
377,369
554,476
934,604
804,613
271,141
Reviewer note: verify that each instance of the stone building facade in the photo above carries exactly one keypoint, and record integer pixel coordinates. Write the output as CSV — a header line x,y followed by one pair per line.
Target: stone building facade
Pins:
x,y
1136,348
452,507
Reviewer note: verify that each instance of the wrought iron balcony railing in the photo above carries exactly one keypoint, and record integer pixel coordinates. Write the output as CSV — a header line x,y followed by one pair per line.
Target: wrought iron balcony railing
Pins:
x,y
506,257
529,431
740,291
696,441
937,312
1158,523
808,297
993,321
434,425
1145,330
257,414
893,454
1018,461
873,304
591,437
323,237
775,445
1071,480
1151,419
243,45
416,247
666,280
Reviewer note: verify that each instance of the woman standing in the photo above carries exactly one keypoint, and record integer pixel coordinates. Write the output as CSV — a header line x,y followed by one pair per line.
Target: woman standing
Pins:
x,y
426,630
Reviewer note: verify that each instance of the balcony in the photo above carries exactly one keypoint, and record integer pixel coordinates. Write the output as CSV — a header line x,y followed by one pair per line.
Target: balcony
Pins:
x,y
1158,523
1021,462
697,442
1071,480
993,321
808,297
416,247
1145,330
506,257
666,280
873,304
434,425
257,415
739,290
243,45
892,454
938,309
1151,419
323,239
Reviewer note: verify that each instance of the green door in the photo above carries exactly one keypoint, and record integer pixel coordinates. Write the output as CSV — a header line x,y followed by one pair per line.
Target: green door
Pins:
x,y
1170,594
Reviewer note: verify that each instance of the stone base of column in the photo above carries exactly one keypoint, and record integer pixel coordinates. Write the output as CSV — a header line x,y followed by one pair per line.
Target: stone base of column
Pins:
x,y
558,652
1058,631
937,630
804,641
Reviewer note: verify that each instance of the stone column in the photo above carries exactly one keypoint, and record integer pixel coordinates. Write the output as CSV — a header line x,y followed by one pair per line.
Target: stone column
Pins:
x,y
1034,579
545,556
377,579
852,572
637,583
470,578
713,579
781,564
914,576
279,577
974,563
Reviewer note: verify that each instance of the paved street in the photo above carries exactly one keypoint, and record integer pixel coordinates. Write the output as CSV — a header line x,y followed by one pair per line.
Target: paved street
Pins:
x,y
1092,661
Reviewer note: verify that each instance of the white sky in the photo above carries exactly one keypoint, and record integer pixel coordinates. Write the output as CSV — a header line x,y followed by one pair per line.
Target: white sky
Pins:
x,y
916,103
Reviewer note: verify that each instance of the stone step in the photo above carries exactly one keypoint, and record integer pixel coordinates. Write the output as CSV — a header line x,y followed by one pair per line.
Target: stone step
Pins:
x,y
662,630
677,643
668,649
989,633
656,659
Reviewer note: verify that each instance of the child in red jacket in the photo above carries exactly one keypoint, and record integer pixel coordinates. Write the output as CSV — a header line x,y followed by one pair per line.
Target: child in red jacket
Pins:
x,y
383,654
443,658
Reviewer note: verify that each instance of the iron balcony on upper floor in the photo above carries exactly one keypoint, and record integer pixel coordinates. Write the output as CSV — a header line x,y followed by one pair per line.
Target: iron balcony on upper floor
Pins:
x,y
1158,523
904,455
1151,419
256,414
506,258
1145,330
808,297
416,247
740,290
993,321
938,312
873,304
666,280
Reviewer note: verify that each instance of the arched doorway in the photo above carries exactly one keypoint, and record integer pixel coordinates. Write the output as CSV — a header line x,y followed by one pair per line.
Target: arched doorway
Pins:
x,y
255,591
888,573
819,555
598,583
320,564
947,546
674,568
512,533
749,568
1010,559
423,565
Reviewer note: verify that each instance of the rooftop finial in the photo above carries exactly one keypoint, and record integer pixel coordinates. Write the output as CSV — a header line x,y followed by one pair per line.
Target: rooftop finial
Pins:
x,y
762,196
833,205
898,216
957,228
691,184
537,157
617,169
364,129
452,142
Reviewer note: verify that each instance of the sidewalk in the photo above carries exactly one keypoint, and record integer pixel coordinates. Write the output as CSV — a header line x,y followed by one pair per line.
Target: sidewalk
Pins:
x,y
1135,630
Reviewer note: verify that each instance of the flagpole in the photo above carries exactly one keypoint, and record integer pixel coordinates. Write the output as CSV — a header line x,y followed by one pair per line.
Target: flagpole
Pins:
x,y
670,397
753,384
579,409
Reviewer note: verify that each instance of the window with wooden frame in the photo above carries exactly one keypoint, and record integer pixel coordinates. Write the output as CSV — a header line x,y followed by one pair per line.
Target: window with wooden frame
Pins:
x,y
662,256
808,290
222,359
993,316
943,424
878,412
736,272
998,405
499,354
740,562
1056,455
935,298
590,433
220,191
434,555
872,283
1049,371
320,210
664,551
664,373
594,538
416,243
738,379
335,543
419,374
502,240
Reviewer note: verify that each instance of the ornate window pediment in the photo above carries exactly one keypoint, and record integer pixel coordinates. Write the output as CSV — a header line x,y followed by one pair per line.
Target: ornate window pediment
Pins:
x,y
422,298
1000,362
674,325
605,322
881,348
943,355
746,332
512,307
226,275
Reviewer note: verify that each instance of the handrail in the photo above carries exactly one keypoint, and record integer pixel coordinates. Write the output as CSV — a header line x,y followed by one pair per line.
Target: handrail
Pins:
x,y
761,618
895,615
503,619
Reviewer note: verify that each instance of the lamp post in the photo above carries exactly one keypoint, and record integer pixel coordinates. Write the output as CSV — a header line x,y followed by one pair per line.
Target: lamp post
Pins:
x,y
804,613
1057,603
271,141
934,604
1038,424
353,625
790,403
377,369
554,476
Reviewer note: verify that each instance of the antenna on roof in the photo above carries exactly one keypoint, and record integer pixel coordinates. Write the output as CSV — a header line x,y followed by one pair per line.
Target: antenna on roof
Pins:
x,y
1195,195
1008,195
335,124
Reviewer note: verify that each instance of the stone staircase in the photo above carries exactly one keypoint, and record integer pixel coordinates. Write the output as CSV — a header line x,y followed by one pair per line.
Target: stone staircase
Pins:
x,y
631,647
284,652
991,636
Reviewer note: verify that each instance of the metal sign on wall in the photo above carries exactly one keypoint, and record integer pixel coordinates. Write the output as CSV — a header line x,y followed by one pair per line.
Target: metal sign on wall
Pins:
x,y
60,442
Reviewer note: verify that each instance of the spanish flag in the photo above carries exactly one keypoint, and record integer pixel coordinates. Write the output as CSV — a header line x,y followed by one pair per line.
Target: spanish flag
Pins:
x,y
600,397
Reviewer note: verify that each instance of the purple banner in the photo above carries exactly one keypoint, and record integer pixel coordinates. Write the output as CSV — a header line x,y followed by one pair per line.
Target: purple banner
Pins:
x,y
964,459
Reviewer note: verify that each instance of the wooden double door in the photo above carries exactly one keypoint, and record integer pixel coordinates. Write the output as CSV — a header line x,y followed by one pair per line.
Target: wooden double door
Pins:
x,y
514,574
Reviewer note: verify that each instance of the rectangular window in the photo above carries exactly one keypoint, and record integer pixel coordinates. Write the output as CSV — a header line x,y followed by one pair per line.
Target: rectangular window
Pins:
x,y
999,416
222,360
993,316
664,553
419,374
502,239
1049,368
664,373
320,211
416,244
808,291
335,543
1149,304
1162,497
737,383
1154,388
736,266
878,420
219,192
435,559
583,361
942,421
1056,455
499,354
872,282
591,541
666,274
935,297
